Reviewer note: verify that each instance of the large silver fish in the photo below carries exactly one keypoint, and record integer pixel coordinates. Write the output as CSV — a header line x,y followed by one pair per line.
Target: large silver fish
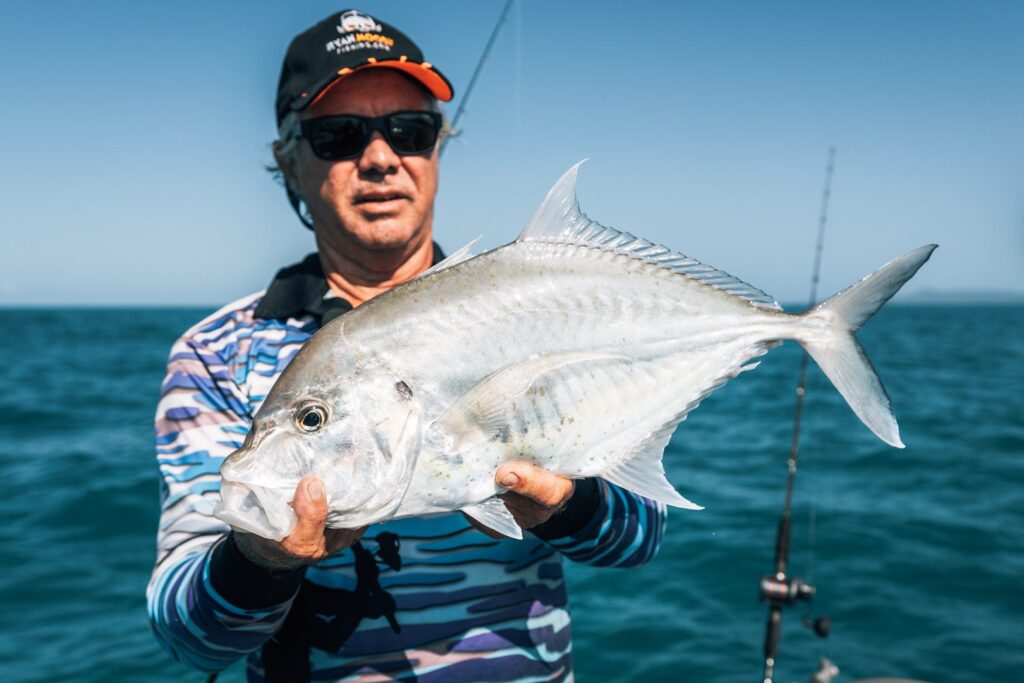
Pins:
x,y
577,347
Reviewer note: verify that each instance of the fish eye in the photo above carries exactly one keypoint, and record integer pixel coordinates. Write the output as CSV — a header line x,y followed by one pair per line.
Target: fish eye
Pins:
x,y
311,417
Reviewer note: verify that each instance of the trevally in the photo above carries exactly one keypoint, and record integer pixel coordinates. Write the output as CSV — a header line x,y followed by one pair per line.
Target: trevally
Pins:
x,y
577,347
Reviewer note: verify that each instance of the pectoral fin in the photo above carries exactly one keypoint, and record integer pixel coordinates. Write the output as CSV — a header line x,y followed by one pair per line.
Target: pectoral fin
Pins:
x,y
493,514
486,408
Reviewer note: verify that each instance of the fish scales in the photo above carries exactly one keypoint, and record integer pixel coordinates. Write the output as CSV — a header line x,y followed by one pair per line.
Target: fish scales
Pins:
x,y
577,347
543,318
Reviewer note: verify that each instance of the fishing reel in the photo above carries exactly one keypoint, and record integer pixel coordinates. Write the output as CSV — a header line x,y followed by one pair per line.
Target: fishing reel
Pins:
x,y
778,591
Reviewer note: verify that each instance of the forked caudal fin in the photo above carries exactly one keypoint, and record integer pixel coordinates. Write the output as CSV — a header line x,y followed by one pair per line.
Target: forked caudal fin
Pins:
x,y
842,359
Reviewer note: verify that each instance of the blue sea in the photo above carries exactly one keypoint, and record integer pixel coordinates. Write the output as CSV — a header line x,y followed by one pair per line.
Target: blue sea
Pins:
x,y
917,554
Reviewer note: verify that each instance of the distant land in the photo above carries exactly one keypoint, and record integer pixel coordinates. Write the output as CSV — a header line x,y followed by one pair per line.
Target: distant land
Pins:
x,y
962,296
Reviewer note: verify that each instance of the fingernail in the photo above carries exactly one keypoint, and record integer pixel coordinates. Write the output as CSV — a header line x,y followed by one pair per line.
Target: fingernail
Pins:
x,y
509,479
315,489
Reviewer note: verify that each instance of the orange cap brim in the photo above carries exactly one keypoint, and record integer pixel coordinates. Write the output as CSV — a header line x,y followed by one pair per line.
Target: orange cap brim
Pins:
x,y
422,72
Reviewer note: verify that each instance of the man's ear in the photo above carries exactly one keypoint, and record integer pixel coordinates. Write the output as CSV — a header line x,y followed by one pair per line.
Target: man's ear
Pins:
x,y
285,162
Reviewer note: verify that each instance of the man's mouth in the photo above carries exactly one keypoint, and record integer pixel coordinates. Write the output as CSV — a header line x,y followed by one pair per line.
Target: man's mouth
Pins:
x,y
379,197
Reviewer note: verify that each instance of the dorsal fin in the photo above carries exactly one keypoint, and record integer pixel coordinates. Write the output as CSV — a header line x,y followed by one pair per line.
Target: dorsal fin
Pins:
x,y
459,256
559,219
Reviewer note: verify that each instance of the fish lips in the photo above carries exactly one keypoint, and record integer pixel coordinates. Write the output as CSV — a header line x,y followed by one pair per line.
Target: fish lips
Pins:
x,y
256,509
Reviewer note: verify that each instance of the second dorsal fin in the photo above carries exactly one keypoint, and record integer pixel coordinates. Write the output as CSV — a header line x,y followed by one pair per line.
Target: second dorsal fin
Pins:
x,y
559,219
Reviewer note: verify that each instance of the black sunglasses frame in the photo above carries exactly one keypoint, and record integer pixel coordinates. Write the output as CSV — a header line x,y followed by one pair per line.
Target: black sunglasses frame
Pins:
x,y
371,124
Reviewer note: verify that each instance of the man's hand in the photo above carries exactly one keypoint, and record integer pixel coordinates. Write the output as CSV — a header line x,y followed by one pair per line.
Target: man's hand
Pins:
x,y
534,495
308,542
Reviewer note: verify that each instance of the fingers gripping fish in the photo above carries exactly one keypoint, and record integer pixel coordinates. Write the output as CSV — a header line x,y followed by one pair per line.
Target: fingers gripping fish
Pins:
x,y
577,347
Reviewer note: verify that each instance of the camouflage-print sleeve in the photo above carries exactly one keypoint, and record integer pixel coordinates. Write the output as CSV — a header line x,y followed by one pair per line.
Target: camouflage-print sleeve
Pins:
x,y
624,529
202,416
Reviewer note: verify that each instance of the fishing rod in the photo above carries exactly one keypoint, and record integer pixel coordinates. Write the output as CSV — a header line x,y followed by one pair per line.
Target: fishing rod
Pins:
x,y
779,590
479,68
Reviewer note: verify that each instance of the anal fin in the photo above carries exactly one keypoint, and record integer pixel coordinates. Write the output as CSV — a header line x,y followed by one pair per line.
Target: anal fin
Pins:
x,y
643,472
493,514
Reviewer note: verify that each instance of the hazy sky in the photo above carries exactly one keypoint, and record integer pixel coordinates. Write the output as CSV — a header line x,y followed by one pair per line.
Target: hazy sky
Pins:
x,y
135,136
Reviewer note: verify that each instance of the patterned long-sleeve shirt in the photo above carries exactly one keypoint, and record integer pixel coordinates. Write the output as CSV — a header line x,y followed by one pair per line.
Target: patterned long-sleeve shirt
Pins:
x,y
429,598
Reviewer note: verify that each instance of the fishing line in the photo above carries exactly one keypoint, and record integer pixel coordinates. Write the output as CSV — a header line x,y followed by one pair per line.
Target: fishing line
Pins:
x,y
518,96
826,196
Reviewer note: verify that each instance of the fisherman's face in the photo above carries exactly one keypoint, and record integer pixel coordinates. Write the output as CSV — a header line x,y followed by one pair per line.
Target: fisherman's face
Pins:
x,y
379,200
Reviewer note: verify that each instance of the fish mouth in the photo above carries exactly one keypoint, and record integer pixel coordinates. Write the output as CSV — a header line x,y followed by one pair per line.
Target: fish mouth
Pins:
x,y
256,509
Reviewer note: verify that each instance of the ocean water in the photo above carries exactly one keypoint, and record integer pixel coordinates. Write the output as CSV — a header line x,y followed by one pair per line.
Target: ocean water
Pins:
x,y
917,555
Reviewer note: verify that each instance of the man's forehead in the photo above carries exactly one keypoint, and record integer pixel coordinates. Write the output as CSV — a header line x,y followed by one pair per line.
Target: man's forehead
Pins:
x,y
371,92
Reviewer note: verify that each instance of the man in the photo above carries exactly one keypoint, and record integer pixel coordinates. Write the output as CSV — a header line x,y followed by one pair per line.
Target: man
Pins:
x,y
430,599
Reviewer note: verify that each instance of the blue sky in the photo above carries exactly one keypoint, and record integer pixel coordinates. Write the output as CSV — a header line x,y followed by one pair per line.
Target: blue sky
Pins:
x,y
135,136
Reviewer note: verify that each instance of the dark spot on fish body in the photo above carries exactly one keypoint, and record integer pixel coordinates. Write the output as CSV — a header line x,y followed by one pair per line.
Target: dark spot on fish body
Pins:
x,y
452,459
403,390
504,434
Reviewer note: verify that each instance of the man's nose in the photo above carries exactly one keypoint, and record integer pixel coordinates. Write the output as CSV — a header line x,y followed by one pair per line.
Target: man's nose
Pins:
x,y
378,157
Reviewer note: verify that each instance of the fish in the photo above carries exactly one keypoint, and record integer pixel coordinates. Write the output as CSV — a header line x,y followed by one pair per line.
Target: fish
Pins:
x,y
577,347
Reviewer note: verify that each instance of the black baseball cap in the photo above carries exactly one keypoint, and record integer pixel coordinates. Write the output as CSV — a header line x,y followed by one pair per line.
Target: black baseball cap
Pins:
x,y
342,43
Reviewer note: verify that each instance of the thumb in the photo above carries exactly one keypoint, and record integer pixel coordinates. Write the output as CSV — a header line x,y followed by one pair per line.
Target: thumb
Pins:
x,y
550,490
310,505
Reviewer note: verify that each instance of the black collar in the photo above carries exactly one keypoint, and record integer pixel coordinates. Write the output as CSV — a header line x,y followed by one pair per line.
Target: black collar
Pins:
x,y
299,290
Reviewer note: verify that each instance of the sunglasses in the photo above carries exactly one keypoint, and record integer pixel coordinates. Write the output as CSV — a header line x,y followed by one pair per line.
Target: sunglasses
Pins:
x,y
335,138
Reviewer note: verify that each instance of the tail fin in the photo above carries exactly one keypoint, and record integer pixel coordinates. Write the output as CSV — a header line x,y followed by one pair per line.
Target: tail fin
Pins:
x,y
839,355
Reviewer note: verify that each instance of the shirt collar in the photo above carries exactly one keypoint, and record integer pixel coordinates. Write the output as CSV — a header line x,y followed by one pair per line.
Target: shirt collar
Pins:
x,y
301,289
